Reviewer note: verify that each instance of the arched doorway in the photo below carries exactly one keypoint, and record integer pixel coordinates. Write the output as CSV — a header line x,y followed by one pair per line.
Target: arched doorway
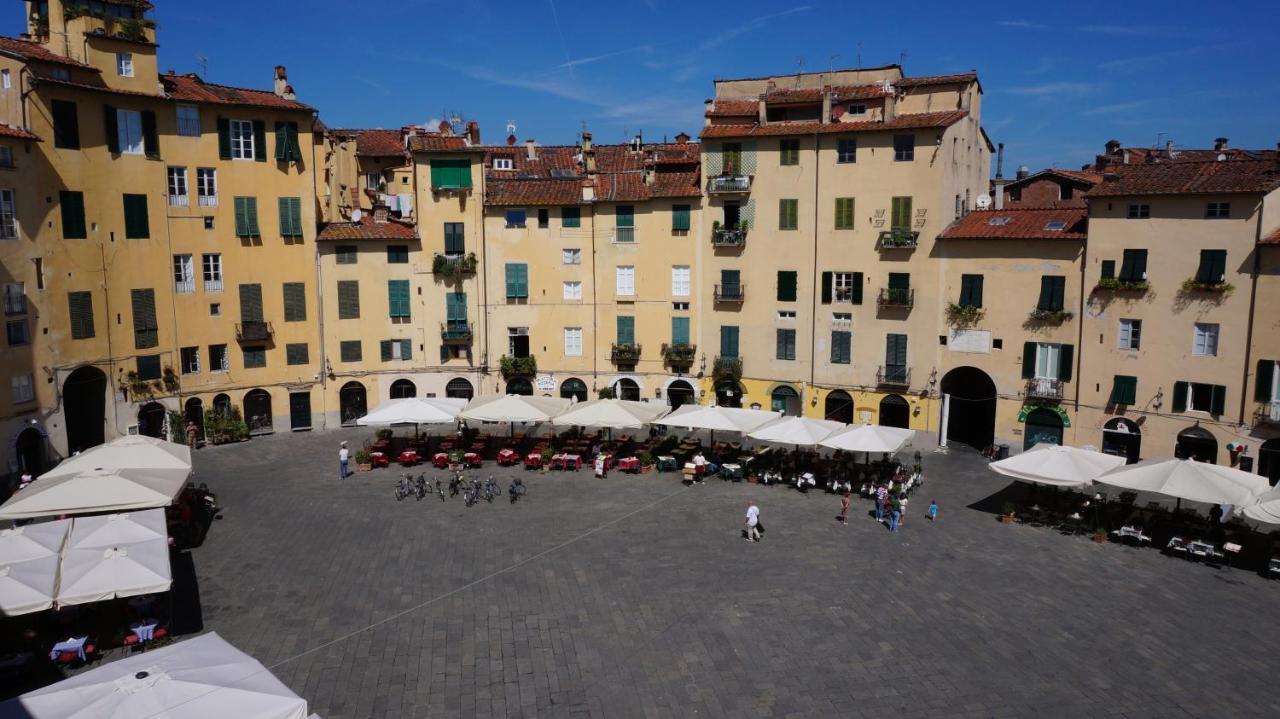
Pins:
x,y
680,393
222,404
1269,460
403,389
353,403
84,397
257,411
1196,443
627,388
151,420
971,418
1043,426
786,400
520,385
574,388
729,394
1123,438
193,411
29,449
838,407
895,412
459,388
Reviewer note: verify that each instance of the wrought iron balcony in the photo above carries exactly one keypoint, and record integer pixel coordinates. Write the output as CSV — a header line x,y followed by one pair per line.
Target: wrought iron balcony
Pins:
x,y
1268,413
726,237
893,376
896,297
253,331
729,185
1044,388
455,333
727,368
731,293
454,265
898,238
625,354
679,355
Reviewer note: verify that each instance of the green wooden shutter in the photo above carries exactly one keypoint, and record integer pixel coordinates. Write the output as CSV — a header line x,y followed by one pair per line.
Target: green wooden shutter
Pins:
x,y
145,331
828,279
1134,265
454,238
680,217
282,141
296,353
570,217
291,217
788,214
625,216
1108,269
626,330
1059,292
511,282
1213,266
136,224
779,346
224,138
1124,390
1263,379
385,349
451,174
398,298
901,213
1218,404
786,286
66,125
1028,360
1046,293
247,217
259,140
841,341
844,213
295,302
406,349
111,128
1065,364
348,300
679,330
895,350
729,341
857,288
522,280
80,308
72,206
150,139
1180,390
148,367
456,307
251,303
350,351
971,290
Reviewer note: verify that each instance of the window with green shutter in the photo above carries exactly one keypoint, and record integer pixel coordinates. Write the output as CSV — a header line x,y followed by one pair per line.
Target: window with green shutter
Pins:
x,y
680,218
1133,268
731,158
348,300
625,216
290,217
788,214
397,254
247,217
789,152
150,137
396,350
900,288
1264,380
345,254
456,309
679,330
295,302
1108,269
517,280
900,215
626,330
1124,390
296,353
729,341
571,217
80,307
455,241
148,367
136,223
259,141
350,351
145,330
255,357
1213,267
844,213
1052,293
970,290
287,147
251,303
72,206
786,344
786,286
66,124
450,174
398,298
841,346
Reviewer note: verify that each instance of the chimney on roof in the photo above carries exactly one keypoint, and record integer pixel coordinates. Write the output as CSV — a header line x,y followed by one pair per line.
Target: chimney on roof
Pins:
x,y
890,103
1220,144
281,87
1113,147
1168,148
380,214
473,133
1023,172
997,185
511,140
530,149
637,143
762,111
682,139
445,129
588,156
826,105
1000,161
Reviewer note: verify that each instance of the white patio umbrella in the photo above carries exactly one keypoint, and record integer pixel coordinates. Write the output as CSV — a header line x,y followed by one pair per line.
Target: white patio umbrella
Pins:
x,y
1057,466
610,414
799,431
29,558
414,410
513,408
1267,508
1190,480
115,555
132,472
869,438
199,678
728,419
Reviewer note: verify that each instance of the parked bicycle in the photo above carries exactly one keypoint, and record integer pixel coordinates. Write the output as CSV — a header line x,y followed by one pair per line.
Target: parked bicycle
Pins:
x,y
403,488
455,484
491,490
440,489
471,494
516,490
420,487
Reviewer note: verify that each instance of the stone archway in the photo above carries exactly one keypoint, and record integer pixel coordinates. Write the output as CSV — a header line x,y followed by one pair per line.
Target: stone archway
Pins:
x,y
257,411
838,407
193,411
520,386
1123,438
574,388
971,416
895,412
1269,460
729,394
353,403
222,404
151,417
84,399
1196,443
459,388
785,399
680,393
1043,426
403,389
627,388
29,451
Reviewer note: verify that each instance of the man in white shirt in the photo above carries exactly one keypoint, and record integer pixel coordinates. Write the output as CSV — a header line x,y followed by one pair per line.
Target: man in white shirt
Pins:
x,y
753,521
343,456
699,467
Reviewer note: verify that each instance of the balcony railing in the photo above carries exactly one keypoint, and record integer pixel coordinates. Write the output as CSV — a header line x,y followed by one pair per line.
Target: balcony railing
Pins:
x,y
213,285
893,376
179,200
624,234
625,354
727,368
1269,412
455,333
1044,388
731,293
526,366
184,287
896,297
729,184
898,238
679,355
726,237
253,331
454,265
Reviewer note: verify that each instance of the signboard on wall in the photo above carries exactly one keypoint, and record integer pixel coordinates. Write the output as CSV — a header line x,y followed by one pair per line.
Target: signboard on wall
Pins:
x,y
974,341
545,383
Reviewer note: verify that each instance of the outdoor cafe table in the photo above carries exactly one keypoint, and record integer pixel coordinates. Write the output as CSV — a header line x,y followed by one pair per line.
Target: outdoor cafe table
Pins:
x,y
533,460
440,460
566,461
409,457
629,464
379,459
507,456
732,471
472,459
1131,533
667,463
73,645
145,630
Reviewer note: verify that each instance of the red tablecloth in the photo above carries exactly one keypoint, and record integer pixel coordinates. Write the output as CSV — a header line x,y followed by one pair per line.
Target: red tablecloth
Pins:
x,y
379,459
566,461
507,456
409,457
440,459
629,464
472,459
533,460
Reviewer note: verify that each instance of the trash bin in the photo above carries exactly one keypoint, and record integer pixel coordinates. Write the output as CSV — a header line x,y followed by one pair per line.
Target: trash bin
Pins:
x,y
1002,452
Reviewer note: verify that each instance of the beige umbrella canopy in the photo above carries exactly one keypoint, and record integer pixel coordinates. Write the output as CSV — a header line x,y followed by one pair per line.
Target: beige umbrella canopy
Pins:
x,y
799,431
1190,480
728,419
869,438
513,408
610,414
1057,466
29,558
115,555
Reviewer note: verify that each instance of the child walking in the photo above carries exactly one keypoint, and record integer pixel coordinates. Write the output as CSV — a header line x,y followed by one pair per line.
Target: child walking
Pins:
x,y
933,510
844,508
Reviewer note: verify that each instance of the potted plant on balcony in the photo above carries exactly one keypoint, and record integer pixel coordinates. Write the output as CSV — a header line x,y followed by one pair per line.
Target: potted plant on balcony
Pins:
x,y
170,380
715,227
517,366
1193,285
1040,314
1007,512
1114,284
964,315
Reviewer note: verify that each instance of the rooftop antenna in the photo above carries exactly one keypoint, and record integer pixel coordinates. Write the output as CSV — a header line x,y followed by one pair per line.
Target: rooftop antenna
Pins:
x,y
902,58
204,66
831,62
1159,138
859,53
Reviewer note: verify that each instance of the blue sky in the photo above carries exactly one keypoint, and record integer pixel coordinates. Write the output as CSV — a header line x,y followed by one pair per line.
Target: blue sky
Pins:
x,y
1059,81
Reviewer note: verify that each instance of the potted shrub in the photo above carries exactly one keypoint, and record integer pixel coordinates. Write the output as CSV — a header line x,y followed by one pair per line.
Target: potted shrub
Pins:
x,y
364,462
1007,512
647,460
1099,535
964,315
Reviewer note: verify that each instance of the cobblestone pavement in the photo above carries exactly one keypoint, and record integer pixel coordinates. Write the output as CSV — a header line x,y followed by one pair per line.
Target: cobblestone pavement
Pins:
x,y
636,597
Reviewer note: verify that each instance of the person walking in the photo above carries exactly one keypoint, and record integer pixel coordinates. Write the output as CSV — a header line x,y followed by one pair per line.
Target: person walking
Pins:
x,y
844,508
881,495
933,510
192,432
895,513
902,509
753,521
344,455
699,466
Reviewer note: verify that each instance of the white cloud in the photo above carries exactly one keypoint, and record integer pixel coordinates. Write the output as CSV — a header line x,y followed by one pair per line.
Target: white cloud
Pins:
x,y
1053,88
1024,24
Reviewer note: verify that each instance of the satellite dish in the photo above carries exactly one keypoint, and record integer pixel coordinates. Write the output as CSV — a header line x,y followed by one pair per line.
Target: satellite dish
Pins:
x,y
356,214
983,202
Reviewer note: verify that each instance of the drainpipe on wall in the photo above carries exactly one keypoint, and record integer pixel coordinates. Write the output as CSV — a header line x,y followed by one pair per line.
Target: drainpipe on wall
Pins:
x,y
324,363
1253,300
813,316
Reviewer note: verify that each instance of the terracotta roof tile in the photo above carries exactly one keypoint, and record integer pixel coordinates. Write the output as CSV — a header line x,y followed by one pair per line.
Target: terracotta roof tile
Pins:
x,y
367,229
734,108
902,122
435,142
560,158
924,80
190,88
622,187
1189,178
534,192
18,132
35,51
379,143
676,184
1019,224
1272,239
95,83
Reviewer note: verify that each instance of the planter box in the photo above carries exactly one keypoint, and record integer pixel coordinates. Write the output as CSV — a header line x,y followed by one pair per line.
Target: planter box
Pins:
x,y
1006,519
1099,539
364,467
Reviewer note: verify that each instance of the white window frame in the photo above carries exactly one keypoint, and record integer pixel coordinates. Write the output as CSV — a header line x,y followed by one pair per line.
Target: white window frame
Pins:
x,y
188,119
23,387
1138,211
184,275
573,290
1217,211
1130,334
179,192
124,64
680,280
222,366
626,280
8,215
1204,339
242,140
786,315
842,319
211,271
129,132
207,186
6,78
1191,397
572,341
571,256
1048,360
842,287
1275,383
503,163
373,179
182,358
